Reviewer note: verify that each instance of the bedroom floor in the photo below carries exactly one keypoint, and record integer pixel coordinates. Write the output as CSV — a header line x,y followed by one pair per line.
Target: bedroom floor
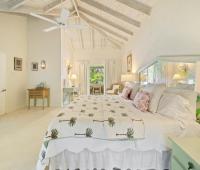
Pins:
x,y
21,135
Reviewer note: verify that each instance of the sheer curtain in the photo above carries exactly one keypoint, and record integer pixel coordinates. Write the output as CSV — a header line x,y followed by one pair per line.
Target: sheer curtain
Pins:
x,y
113,71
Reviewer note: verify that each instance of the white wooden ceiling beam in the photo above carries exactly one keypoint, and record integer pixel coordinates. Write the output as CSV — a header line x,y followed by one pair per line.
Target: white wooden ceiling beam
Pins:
x,y
103,28
113,41
76,7
53,5
102,19
112,12
92,38
16,4
135,4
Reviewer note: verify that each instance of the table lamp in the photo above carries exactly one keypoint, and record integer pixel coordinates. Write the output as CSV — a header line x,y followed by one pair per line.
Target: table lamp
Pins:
x,y
129,77
73,79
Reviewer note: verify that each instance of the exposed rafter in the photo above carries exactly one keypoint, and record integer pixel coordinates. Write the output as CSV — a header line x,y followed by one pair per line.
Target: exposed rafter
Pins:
x,y
103,28
53,5
92,14
135,4
113,41
112,12
16,4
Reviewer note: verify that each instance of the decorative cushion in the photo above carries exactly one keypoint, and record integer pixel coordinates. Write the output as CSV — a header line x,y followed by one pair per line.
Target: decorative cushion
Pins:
x,y
125,93
141,101
155,92
134,91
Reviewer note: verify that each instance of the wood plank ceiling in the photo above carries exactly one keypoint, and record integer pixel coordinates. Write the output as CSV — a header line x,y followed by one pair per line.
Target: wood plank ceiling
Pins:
x,y
111,22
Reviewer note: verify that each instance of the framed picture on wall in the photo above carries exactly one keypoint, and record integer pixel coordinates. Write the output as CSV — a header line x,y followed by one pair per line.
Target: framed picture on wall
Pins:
x,y
34,66
17,64
129,63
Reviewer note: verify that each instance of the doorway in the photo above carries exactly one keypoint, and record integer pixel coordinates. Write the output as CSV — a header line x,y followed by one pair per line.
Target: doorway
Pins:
x,y
96,80
2,84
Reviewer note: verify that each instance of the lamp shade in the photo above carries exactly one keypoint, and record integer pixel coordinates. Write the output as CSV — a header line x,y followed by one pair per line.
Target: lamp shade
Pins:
x,y
177,77
73,77
197,77
128,77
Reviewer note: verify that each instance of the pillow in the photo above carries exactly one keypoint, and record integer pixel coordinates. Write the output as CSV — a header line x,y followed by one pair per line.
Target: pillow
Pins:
x,y
141,101
190,95
135,89
125,93
174,106
155,92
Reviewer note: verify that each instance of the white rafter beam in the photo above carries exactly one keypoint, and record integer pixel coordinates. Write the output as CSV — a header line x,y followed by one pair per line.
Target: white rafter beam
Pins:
x,y
16,4
53,5
112,12
103,28
108,22
135,4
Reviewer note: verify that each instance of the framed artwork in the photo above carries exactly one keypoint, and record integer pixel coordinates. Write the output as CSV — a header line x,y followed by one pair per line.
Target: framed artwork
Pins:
x,y
129,63
17,64
34,66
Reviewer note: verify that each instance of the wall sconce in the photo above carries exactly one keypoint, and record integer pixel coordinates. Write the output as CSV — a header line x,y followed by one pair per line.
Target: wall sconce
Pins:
x,y
69,67
43,64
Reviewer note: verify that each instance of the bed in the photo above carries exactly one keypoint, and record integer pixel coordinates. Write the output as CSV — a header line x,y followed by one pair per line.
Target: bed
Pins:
x,y
108,132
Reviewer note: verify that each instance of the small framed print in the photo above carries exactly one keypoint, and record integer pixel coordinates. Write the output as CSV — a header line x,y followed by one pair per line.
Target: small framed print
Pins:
x,y
17,64
129,63
34,66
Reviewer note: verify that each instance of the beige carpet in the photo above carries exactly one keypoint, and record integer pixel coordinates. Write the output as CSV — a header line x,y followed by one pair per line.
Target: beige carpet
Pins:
x,y
21,135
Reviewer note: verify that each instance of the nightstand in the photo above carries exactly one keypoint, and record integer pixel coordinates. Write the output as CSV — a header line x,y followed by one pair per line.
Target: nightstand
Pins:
x,y
185,153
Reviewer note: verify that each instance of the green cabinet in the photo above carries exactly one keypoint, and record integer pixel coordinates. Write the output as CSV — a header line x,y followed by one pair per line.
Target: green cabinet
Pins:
x,y
185,153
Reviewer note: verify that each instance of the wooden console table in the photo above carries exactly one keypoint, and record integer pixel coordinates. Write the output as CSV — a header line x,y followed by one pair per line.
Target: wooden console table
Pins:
x,y
39,93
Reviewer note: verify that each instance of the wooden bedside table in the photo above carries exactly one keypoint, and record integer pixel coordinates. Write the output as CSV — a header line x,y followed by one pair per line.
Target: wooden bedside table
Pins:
x,y
185,153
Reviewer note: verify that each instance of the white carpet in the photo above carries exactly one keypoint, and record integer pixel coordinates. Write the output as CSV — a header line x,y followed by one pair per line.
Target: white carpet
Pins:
x,y
21,135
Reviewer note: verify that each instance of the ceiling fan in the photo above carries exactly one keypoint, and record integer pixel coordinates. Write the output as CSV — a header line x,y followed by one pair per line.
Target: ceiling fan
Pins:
x,y
60,22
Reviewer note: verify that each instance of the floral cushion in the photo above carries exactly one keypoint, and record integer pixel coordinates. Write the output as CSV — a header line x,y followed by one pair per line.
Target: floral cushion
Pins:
x,y
141,101
126,92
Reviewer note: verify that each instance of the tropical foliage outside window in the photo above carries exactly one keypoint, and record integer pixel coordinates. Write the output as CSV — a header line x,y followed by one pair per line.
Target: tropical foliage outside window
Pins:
x,y
96,75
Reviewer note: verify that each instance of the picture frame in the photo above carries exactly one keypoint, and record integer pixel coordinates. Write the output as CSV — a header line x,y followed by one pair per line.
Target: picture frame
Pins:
x,y
17,64
34,66
129,63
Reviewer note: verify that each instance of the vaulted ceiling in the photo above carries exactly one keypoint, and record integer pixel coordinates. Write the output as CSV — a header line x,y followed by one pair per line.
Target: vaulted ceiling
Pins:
x,y
111,23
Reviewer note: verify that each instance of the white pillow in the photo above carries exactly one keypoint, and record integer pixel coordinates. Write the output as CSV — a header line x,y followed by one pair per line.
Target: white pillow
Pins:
x,y
156,92
190,95
174,106
134,90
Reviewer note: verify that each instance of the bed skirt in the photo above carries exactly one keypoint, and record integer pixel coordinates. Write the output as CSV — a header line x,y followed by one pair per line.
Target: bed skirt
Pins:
x,y
109,160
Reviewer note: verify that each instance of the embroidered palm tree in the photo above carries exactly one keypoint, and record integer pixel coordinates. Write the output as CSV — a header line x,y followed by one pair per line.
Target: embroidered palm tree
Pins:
x,y
43,154
108,104
121,107
95,108
71,121
112,111
111,121
91,115
54,134
82,111
60,114
88,133
124,114
84,105
129,134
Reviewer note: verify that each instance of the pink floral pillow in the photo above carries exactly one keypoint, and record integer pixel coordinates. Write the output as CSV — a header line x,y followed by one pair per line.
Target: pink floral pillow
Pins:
x,y
126,92
142,100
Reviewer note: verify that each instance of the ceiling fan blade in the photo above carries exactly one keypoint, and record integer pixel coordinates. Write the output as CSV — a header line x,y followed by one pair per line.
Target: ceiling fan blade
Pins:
x,y
51,28
43,18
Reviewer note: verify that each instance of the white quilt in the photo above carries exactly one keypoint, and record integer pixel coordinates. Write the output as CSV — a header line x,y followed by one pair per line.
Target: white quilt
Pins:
x,y
98,123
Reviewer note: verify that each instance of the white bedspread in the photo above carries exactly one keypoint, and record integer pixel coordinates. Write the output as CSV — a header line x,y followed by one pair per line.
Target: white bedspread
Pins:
x,y
109,120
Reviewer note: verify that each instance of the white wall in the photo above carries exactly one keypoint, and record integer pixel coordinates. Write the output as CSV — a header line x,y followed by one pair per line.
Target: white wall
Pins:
x,y
172,28
13,43
45,46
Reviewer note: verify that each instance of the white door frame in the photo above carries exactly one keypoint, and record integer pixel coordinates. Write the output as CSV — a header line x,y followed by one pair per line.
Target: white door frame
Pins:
x,y
88,77
3,64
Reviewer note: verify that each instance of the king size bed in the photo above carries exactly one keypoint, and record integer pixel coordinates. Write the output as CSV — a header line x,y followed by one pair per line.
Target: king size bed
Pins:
x,y
107,132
